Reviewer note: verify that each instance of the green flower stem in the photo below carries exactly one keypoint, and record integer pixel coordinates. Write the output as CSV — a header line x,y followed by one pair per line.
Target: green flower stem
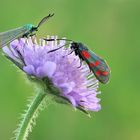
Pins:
x,y
30,115
45,87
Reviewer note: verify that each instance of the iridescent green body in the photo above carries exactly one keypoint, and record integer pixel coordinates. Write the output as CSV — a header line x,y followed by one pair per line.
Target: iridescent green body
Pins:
x,y
24,31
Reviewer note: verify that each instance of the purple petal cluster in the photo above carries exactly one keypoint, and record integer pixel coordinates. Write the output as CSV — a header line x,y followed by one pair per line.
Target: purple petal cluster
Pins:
x,y
78,85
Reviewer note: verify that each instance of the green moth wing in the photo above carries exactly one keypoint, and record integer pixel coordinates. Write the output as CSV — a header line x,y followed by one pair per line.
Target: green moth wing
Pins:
x,y
9,36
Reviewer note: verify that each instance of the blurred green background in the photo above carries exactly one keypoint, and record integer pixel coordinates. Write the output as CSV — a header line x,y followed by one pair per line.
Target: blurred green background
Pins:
x,y
111,28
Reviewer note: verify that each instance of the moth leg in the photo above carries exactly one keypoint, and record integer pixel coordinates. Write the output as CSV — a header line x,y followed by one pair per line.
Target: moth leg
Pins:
x,y
32,35
80,63
25,35
69,53
90,69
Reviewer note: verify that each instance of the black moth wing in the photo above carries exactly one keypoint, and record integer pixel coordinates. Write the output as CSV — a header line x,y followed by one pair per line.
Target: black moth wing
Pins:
x,y
97,65
102,70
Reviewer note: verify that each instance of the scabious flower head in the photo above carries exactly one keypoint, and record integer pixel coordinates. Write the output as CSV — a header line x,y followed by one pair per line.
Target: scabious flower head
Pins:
x,y
76,85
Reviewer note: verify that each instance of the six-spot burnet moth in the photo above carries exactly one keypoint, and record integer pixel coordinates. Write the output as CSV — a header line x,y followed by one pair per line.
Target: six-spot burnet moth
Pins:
x,y
24,31
96,64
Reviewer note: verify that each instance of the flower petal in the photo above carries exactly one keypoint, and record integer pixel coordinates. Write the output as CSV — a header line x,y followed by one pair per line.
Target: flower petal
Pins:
x,y
67,87
59,67
29,69
47,69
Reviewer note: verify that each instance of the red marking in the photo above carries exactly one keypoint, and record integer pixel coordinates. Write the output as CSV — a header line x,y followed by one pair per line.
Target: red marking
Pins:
x,y
104,73
97,63
98,73
94,64
85,54
91,64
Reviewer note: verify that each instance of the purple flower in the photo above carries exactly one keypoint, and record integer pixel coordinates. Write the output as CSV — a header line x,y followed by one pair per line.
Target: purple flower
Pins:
x,y
77,85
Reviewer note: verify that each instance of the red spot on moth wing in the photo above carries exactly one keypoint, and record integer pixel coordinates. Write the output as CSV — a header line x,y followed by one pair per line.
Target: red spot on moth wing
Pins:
x,y
104,73
91,64
85,54
97,63
94,64
98,73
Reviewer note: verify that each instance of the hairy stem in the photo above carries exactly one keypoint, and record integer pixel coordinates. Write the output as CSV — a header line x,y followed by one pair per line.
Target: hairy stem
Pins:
x,y
29,117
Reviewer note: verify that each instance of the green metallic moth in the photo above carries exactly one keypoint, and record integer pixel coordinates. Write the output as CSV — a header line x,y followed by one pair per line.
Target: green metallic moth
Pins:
x,y
24,31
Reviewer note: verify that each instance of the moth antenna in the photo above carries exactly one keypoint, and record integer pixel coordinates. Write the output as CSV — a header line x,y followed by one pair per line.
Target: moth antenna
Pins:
x,y
58,48
44,20
57,39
